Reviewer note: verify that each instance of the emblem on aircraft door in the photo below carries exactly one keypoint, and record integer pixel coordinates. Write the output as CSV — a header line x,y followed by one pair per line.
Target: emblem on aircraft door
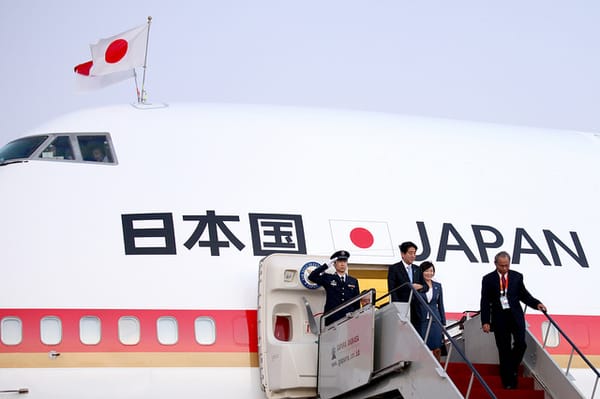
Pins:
x,y
305,271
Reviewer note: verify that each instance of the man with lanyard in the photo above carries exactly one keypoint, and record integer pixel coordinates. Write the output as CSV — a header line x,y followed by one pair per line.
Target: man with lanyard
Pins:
x,y
501,312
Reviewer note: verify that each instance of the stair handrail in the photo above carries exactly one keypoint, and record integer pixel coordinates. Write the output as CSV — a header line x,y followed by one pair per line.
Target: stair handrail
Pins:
x,y
574,348
370,294
467,314
455,346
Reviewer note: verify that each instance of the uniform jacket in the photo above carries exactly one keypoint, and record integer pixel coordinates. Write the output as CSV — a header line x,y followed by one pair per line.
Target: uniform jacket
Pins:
x,y
491,308
337,291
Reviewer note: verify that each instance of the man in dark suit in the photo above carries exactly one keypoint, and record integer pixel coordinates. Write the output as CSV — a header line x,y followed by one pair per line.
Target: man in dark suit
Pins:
x,y
405,272
501,312
339,286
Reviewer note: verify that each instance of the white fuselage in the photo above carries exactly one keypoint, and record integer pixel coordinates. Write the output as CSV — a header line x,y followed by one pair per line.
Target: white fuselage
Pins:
x,y
462,191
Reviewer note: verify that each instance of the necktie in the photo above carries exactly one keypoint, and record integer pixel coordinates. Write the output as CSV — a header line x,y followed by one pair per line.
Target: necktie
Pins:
x,y
503,283
343,279
409,271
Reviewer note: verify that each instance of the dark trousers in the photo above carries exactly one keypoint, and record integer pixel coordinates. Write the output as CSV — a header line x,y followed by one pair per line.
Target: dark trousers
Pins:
x,y
510,357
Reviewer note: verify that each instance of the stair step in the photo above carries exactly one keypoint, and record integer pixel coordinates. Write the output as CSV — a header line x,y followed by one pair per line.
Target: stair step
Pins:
x,y
480,393
482,368
461,375
494,381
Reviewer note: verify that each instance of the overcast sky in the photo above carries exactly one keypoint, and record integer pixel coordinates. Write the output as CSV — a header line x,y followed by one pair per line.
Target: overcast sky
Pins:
x,y
533,63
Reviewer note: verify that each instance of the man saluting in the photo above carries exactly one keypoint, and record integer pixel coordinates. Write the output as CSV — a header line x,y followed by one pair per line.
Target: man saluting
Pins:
x,y
339,286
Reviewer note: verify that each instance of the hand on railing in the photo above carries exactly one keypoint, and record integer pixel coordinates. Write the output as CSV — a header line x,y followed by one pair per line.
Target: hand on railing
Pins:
x,y
542,308
392,291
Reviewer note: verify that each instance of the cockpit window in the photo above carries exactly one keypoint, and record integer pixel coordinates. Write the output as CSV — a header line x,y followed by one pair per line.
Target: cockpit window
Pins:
x,y
21,148
71,147
59,148
95,148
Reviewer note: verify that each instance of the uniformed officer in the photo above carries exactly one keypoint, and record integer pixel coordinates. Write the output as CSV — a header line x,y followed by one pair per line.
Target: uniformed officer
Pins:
x,y
339,286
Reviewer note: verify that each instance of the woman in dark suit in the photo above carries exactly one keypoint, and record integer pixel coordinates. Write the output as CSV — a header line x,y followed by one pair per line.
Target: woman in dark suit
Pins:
x,y
432,294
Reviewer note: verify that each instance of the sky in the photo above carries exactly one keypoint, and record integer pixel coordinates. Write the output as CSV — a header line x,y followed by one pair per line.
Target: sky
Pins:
x,y
533,63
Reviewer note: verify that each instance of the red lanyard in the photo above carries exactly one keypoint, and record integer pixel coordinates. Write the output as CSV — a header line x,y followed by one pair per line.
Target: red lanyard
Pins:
x,y
504,283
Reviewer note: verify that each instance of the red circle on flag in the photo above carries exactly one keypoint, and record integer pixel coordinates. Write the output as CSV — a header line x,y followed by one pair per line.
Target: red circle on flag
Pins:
x,y
116,51
361,237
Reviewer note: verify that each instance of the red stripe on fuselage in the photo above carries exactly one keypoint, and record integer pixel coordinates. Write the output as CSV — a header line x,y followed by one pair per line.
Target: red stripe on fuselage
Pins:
x,y
235,330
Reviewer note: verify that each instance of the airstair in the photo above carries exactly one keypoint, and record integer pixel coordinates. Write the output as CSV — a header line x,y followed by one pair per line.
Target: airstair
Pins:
x,y
376,352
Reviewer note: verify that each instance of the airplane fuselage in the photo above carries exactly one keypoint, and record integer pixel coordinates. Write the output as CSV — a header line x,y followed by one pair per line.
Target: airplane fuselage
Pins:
x,y
142,269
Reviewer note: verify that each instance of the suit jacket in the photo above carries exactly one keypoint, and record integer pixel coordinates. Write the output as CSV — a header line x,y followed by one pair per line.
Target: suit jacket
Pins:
x,y
397,276
336,290
491,308
436,304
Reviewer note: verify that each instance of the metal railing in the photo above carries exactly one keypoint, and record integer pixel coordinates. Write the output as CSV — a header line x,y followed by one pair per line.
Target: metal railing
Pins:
x,y
370,295
454,345
574,349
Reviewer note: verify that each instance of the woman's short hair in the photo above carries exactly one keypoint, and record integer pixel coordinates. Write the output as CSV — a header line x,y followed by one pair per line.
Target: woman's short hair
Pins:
x,y
427,265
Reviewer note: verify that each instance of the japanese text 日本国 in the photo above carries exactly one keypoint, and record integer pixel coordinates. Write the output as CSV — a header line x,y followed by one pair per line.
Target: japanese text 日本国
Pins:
x,y
154,233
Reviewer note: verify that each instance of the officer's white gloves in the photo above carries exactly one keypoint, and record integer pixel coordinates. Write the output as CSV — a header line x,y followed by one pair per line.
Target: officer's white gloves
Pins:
x,y
330,266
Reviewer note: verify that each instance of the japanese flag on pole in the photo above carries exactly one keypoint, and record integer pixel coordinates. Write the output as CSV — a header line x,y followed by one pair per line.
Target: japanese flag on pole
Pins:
x,y
121,52
84,81
359,237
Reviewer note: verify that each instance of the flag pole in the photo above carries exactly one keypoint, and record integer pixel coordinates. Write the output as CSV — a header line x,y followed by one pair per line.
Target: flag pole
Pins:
x,y
137,89
143,96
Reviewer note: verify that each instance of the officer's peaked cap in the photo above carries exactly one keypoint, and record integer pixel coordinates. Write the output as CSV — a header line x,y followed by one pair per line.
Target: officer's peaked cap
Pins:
x,y
340,255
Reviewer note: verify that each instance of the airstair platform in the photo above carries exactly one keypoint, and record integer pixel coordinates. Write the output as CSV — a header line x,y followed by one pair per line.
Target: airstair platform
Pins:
x,y
376,353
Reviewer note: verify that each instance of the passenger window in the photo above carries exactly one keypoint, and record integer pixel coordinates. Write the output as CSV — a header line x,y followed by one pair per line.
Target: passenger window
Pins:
x,y
89,330
167,330
129,330
553,335
11,331
95,148
59,148
205,330
51,330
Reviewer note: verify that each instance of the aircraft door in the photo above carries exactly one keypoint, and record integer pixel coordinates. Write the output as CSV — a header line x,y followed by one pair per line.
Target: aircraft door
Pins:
x,y
287,347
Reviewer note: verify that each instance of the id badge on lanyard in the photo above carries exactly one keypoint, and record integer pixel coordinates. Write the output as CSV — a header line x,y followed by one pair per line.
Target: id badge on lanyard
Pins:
x,y
503,298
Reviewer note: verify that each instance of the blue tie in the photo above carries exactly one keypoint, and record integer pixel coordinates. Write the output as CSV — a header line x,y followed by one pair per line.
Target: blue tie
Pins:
x,y
409,271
